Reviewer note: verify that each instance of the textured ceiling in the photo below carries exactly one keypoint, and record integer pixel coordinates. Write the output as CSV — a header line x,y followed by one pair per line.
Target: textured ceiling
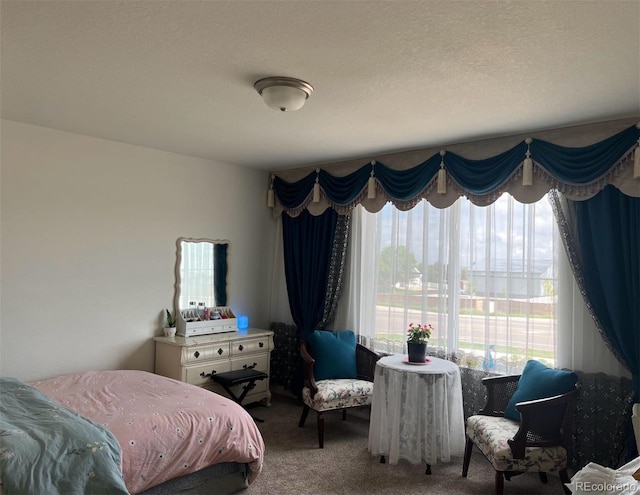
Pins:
x,y
388,76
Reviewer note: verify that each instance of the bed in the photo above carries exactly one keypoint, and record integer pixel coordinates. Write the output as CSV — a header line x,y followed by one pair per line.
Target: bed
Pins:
x,y
138,433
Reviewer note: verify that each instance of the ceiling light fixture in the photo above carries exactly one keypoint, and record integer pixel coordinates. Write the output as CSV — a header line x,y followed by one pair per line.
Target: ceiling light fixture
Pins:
x,y
286,94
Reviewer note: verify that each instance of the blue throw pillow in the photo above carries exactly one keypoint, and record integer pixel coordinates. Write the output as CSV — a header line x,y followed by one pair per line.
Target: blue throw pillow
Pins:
x,y
537,382
334,353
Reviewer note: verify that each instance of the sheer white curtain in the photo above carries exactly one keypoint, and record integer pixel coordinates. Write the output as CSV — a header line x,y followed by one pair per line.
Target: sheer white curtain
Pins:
x,y
486,278
278,297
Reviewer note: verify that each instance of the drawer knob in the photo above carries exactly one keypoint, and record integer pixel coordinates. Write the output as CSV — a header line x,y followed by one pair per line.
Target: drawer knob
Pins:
x,y
220,351
204,375
196,354
260,344
240,348
248,367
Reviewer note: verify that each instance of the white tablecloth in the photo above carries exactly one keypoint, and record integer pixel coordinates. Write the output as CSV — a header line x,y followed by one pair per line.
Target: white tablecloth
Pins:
x,y
416,413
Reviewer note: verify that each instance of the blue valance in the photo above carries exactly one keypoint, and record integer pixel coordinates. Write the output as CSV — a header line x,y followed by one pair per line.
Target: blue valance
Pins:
x,y
527,170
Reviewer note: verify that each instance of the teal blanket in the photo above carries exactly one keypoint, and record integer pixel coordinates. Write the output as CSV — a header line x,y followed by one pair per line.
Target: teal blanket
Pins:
x,y
47,449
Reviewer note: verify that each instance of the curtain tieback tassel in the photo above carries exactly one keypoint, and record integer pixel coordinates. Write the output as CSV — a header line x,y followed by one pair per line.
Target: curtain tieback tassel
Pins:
x,y
371,184
442,176
527,166
316,187
271,201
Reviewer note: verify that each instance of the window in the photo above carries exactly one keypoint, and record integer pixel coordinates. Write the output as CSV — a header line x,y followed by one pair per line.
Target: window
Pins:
x,y
484,277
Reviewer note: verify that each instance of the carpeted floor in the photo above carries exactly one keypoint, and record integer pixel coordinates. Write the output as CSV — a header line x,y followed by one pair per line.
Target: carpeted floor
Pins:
x,y
295,465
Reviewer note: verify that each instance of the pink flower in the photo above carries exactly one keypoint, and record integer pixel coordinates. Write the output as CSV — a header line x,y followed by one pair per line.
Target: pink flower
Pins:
x,y
419,333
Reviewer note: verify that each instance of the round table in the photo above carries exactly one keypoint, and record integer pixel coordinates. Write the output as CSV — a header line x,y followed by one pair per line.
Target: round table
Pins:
x,y
416,412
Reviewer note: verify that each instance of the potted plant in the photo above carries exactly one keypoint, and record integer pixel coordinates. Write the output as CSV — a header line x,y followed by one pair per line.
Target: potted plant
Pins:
x,y
417,338
170,329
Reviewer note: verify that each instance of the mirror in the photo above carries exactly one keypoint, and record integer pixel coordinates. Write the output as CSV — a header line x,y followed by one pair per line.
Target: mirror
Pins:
x,y
201,272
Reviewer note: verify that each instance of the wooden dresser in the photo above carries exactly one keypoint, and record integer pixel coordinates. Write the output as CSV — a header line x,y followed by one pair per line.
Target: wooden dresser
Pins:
x,y
195,359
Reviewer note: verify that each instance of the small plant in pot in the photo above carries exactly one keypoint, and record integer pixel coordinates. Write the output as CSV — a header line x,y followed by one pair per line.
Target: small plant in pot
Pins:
x,y
418,336
170,329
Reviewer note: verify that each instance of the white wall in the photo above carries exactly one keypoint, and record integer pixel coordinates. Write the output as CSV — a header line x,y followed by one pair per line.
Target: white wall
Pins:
x,y
88,244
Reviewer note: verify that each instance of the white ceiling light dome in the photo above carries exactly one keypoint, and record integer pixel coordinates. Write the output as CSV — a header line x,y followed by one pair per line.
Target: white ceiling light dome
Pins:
x,y
286,94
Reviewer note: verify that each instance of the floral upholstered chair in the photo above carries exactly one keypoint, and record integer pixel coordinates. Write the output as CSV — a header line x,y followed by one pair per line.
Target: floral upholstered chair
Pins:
x,y
338,375
526,424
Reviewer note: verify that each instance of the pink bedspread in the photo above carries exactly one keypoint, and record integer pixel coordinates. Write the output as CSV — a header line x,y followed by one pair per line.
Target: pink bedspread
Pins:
x,y
165,428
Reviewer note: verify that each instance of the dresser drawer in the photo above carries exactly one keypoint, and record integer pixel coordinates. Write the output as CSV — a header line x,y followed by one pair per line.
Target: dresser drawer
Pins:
x,y
206,353
258,362
249,346
201,375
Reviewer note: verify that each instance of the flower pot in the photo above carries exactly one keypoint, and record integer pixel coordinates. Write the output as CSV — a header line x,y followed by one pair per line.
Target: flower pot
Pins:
x,y
169,331
417,352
